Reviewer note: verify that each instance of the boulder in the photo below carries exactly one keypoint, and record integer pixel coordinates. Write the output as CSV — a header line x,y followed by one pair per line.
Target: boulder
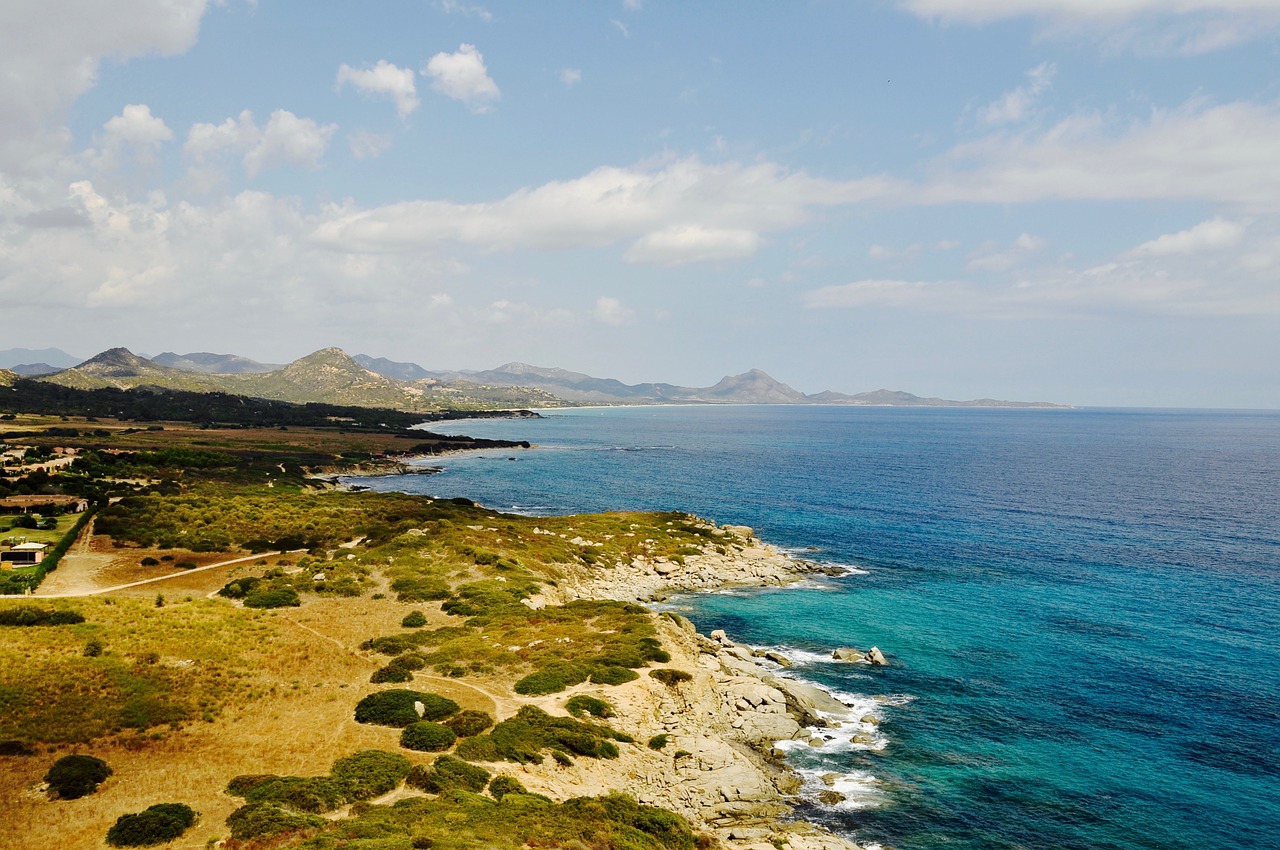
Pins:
x,y
870,718
719,636
665,568
830,798
876,657
846,653
778,658
746,532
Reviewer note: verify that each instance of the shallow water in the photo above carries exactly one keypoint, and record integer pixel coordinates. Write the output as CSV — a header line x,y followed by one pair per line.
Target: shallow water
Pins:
x,y
1082,608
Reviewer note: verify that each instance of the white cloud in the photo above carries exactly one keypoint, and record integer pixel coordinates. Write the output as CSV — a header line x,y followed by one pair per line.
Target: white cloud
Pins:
x,y
463,76
609,311
383,79
210,141
994,257
570,76
366,145
692,243
1223,154
285,140
453,7
1164,26
288,140
684,211
135,125
48,59
633,5
621,27
1015,105
1214,235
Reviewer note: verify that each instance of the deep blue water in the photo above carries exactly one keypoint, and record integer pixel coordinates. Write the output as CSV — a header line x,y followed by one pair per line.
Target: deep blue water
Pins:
x,y
1082,608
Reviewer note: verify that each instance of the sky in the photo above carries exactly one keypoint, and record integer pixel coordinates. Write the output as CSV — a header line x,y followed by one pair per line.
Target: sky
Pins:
x,y
1074,201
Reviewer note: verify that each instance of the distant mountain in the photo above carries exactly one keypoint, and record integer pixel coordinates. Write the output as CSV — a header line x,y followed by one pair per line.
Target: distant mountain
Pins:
x,y
122,369
328,376
53,356
751,387
219,364
34,370
392,369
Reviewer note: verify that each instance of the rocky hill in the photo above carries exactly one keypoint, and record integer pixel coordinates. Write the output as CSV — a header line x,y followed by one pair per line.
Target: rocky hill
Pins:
x,y
328,376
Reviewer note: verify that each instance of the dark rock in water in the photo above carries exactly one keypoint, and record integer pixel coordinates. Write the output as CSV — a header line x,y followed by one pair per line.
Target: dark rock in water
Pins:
x,y
831,798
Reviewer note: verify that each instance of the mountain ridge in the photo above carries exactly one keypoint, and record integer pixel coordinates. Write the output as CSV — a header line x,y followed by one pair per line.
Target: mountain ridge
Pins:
x,y
332,376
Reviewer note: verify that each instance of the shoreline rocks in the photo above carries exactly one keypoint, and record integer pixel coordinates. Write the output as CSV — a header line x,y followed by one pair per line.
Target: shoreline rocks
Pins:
x,y
720,767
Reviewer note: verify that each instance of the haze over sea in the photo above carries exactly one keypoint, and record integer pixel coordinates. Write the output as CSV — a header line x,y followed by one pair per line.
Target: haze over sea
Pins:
x,y
1081,608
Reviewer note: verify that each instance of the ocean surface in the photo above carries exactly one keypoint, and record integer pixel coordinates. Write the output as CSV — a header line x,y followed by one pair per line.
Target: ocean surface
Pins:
x,y
1081,608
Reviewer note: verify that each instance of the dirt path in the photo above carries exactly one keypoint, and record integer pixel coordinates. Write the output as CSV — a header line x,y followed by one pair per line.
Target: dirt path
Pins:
x,y
82,585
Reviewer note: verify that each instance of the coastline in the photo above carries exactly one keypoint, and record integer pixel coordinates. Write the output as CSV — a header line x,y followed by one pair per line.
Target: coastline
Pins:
x,y
728,727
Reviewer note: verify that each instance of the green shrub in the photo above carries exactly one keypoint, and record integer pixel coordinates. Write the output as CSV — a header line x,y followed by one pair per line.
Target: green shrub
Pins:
x,y
155,825
553,678
189,565
75,776
93,648
657,742
396,707
262,820
236,589
670,677
426,736
408,661
465,724
610,675
390,674
523,738
501,786
150,562
414,620
370,773
282,597
420,589
30,615
313,794
583,704
240,786
446,774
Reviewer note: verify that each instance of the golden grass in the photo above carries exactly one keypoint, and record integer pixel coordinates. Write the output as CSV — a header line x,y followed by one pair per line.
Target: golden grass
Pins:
x,y
289,709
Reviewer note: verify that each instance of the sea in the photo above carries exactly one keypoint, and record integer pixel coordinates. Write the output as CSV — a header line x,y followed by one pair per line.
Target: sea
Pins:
x,y
1081,608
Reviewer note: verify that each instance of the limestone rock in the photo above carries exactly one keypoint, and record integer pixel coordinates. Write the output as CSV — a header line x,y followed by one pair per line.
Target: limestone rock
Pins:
x,y
875,656
870,718
846,653
830,798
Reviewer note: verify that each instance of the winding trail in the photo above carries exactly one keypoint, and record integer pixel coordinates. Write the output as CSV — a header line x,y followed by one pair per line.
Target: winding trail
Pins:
x,y
101,590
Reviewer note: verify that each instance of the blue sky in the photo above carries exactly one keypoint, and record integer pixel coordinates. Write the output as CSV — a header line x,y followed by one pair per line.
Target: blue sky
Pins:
x,y
1069,200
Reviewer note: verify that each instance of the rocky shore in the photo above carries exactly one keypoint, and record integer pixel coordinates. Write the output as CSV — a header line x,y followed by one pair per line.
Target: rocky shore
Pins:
x,y
718,763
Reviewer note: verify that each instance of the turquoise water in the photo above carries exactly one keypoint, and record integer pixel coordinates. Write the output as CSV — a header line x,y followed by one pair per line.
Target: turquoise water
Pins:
x,y
1082,608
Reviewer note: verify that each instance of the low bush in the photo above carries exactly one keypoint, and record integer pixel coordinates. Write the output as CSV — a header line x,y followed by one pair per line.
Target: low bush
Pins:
x,y
465,724
150,562
390,674
408,661
610,675
553,678
446,774
657,742
75,776
370,773
282,597
670,677
414,620
398,707
501,786
16,748
420,589
314,794
264,820
238,588
157,824
426,736
522,739
582,704
30,615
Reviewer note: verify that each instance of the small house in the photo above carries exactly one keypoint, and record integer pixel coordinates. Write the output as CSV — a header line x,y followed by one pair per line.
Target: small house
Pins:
x,y
23,555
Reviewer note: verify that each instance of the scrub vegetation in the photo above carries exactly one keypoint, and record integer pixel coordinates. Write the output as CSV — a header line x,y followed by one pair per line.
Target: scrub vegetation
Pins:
x,y
372,628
